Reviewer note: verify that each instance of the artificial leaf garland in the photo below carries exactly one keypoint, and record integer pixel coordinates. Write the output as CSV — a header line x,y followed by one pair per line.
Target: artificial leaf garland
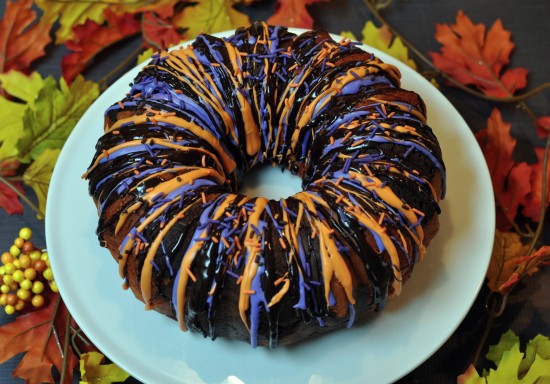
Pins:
x,y
41,122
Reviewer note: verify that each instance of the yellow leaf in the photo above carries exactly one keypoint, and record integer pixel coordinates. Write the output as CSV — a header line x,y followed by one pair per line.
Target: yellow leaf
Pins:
x,y
383,40
210,16
145,55
11,115
507,249
38,175
22,86
70,14
92,371
348,35
25,88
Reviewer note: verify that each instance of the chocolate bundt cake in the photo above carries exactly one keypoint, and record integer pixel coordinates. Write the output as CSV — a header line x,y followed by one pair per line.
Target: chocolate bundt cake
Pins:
x,y
176,148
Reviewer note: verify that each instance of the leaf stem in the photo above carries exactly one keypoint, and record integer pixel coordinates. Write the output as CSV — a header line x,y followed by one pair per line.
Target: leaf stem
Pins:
x,y
51,321
38,211
66,348
509,99
544,198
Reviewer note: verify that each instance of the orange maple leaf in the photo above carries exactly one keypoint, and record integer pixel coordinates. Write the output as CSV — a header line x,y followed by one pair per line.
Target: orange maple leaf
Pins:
x,y
30,334
475,57
158,33
293,13
511,180
91,38
22,40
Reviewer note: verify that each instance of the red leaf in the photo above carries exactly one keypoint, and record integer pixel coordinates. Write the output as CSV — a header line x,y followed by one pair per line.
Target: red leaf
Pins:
x,y
158,33
509,284
532,202
9,166
30,334
510,179
91,38
292,13
22,39
474,57
9,199
543,126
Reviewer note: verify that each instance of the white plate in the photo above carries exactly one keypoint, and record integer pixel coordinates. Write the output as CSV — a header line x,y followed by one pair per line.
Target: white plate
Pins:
x,y
151,346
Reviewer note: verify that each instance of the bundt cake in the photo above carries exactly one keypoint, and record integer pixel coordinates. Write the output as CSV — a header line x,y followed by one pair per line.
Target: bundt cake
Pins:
x,y
177,147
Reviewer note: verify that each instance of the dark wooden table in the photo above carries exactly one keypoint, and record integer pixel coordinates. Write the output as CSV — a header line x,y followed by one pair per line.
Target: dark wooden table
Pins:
x,y
528,309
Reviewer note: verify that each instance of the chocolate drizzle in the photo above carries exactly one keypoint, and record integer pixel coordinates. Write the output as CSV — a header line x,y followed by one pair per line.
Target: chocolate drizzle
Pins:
x,y
176,149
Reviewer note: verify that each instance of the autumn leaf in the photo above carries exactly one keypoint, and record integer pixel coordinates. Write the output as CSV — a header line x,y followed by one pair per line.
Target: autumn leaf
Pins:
x,y
11,114
22,39
91,38
293,13
25,88
57,110
511,180
93,371
507,249
163,8
159,33
9,199
145,55
383,40
531,203
543,126
38,175
513,366
209,16
475,57
30,334
70,14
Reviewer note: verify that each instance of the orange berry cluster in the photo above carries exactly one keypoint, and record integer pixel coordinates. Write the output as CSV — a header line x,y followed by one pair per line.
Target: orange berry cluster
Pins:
x,y
24,274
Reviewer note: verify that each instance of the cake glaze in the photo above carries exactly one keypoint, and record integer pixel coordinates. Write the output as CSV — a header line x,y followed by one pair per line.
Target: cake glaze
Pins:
x,y
166,174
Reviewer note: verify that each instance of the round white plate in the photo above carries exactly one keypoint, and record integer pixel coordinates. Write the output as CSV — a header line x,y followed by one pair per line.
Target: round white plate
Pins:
x,y
151,347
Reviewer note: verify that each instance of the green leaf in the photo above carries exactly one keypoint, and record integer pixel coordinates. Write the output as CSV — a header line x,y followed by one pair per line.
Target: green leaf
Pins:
x,y
92,371
507,341
38,175
11,115
539,346
512,366
24,87
470,377
57,110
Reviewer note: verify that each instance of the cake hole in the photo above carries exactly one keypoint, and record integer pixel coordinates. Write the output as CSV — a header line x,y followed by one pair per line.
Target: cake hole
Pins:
x,y
269,182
